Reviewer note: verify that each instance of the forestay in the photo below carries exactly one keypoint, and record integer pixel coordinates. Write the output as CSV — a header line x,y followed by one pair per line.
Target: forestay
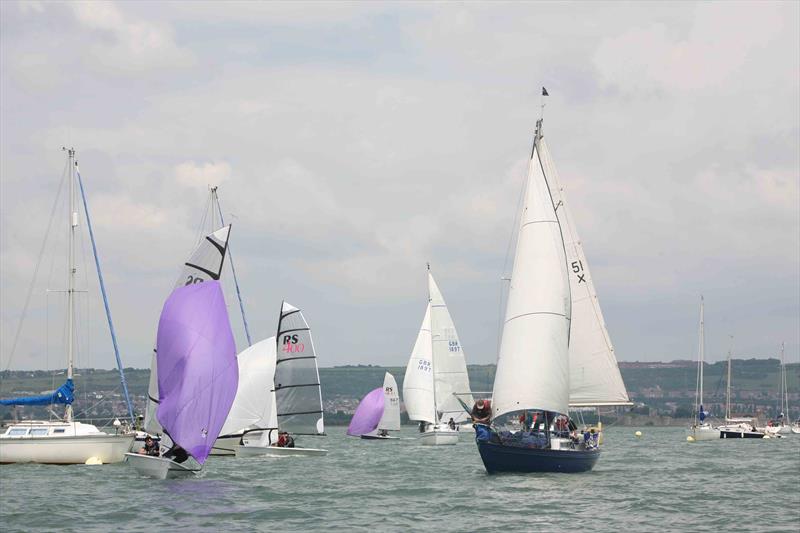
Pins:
x,y
418,381
297,392
204,264
197,371
533,363
254,405
390,420
449,365
594,375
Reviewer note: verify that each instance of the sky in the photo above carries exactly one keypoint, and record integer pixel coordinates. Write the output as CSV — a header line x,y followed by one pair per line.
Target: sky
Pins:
x,y
352,143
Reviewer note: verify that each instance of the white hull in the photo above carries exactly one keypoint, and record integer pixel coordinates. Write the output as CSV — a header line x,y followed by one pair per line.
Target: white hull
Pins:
x,y
796,429
439,437
226,446
158,467
275,451
68,450
777,430
704,433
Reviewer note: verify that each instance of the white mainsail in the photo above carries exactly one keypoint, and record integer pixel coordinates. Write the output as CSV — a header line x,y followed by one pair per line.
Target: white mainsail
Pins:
x,y
594,378
298,396
449,366
254,405
533,363
418,381
390,421
205,263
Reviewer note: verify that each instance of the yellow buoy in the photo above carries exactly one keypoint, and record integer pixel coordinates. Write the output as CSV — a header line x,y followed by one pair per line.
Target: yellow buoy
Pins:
x,y
689,439
638,434
94,461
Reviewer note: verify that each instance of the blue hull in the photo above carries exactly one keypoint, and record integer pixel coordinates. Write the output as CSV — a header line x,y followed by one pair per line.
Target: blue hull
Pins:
x,y
498,458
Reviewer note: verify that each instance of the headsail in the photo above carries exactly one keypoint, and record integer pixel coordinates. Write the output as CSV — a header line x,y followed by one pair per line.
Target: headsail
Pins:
x,y
418,382
254,406
533,363
297,392
204,264
368,414
594,375
390,420
449,366
197,371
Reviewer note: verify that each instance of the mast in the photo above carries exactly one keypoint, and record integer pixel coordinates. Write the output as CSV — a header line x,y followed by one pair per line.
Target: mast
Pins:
x,y
728,385
784,388
433,368
702,348
73,223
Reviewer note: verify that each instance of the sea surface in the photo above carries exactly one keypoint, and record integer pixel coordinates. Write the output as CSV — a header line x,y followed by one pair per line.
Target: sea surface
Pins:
x,y
656,483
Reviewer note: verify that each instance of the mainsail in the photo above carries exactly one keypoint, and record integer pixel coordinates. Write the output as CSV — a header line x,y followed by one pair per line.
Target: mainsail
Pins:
x,y
449,365
418,381
533,363
197,371
297,392
204,264
254,406
390,421
594,377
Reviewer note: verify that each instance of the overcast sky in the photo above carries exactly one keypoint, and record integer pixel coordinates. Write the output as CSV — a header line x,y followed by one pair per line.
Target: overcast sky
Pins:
x,y
352,143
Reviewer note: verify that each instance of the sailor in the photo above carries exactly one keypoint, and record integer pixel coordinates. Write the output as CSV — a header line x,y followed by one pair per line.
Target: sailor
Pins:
x,y
422,426
176,453
283,438
451,423
481,412
150,447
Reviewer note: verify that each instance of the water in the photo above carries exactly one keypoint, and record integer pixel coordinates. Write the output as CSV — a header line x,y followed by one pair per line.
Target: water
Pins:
x,y
656,483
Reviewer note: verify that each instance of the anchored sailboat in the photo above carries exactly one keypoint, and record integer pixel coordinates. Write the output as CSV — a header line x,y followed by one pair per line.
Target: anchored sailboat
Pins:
x,y
701,430
197,376
64,441
296,396
436,380
378,413
541,372
739,427
780,425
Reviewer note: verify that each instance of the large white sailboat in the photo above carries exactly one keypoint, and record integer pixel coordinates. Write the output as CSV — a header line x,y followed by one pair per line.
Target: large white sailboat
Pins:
x,y
780,425
291,404
65,441
436,381
700,429
737,427
555,352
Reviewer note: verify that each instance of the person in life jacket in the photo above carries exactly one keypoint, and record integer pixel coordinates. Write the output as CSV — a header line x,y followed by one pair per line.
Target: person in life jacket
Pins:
x,y
482,412
283,439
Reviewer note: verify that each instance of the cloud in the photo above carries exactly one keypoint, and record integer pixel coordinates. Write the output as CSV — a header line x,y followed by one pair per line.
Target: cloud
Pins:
x,y
190,174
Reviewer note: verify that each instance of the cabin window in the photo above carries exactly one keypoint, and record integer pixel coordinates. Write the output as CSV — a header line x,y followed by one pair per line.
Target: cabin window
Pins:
x,y
38,432
58,430
17,432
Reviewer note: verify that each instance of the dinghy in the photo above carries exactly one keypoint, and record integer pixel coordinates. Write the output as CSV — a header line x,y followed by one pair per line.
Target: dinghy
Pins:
x,y
377,413
436,381
541,370
296,393
197,377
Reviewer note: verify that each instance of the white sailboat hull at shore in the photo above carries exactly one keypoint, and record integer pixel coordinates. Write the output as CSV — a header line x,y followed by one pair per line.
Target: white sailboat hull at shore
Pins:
x,y
703,432
69,450
439,436
275,451
158,467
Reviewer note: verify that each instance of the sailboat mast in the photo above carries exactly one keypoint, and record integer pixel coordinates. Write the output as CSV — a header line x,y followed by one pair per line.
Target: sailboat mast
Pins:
x,y
433,367
784,388
728,384
702,348
73,223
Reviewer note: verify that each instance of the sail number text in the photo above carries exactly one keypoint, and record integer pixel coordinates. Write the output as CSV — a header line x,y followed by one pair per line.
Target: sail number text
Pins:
x,y
577,267
193,279
424,365
291,344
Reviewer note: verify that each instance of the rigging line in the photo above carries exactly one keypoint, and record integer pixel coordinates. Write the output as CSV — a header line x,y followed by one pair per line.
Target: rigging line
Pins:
x,y
36,269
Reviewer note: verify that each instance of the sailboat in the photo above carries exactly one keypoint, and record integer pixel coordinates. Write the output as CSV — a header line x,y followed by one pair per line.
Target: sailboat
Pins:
x,y
296,394
377,413
197,377
436,381
739,427
555,352
781,425
65,441
701,430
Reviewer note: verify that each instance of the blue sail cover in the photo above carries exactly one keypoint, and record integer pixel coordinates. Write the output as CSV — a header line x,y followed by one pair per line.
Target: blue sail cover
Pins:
x,y
702,414
64,394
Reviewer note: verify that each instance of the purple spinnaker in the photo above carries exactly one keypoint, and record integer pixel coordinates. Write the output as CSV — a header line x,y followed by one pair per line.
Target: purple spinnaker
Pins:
x,y
197,370
368,414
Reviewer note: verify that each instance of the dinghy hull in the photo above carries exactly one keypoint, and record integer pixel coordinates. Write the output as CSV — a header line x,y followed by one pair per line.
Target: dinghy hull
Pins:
x,y
379,437
226,446
275,451
498,458
158,467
